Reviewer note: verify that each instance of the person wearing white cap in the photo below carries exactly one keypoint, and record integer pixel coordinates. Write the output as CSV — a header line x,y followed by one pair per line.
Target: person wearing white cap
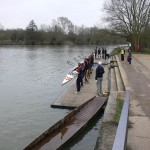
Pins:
x,y
99,77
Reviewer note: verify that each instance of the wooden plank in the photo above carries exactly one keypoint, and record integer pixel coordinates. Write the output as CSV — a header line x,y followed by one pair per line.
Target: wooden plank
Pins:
x,y
64,130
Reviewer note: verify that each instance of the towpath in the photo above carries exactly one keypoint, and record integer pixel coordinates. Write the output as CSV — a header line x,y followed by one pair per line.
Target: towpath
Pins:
x,y
138,75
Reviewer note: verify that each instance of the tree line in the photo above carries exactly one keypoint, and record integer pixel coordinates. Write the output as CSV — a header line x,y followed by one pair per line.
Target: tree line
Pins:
x,y
130,19
62,31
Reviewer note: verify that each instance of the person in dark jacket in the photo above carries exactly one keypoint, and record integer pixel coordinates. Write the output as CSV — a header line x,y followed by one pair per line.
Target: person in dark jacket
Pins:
x,y
129,58
99,77
95,52
79,78
99,53
103,53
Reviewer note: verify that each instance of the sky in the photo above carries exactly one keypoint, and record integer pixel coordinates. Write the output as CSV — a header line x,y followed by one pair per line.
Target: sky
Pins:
x,y
18,13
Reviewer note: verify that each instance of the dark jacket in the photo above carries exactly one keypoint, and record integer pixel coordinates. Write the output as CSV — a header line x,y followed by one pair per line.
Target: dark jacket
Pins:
x,y
99,72
80,72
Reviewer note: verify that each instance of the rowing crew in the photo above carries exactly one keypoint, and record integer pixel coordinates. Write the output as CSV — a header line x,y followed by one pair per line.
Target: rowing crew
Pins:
x,y
84,70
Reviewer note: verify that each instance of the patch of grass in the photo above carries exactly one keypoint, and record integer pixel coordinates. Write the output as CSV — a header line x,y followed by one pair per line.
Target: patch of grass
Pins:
x,y
118,110
116,51
143,51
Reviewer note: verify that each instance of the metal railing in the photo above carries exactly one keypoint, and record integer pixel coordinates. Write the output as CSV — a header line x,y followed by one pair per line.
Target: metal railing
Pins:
x,y
122,130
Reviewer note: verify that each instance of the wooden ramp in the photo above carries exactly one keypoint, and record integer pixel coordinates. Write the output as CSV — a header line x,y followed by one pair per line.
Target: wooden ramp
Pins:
x,y
64,130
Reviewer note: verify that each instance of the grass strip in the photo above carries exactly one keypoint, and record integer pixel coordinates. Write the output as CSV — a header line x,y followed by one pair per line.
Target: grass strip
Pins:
x,y
118,110
116,51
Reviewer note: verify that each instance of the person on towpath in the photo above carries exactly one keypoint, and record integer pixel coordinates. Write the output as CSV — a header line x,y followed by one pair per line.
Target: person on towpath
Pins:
x,y
129,58
122,54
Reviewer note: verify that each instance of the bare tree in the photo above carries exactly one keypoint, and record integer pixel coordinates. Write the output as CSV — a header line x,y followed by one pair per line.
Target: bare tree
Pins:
x,y
65,24
1,27
45,28
129,18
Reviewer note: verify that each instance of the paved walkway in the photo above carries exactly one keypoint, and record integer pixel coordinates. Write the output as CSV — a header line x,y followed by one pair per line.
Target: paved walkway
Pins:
x,y
138,74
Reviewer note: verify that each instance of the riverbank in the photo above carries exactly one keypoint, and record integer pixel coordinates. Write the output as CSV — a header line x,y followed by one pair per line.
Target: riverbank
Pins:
x,y
108,129
136,78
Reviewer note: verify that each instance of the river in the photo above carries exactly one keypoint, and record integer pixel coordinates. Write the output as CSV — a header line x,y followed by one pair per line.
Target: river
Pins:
x,y
30,80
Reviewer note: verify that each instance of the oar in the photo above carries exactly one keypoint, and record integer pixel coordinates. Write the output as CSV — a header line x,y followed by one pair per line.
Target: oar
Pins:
x,y
81,57
76,60
70,63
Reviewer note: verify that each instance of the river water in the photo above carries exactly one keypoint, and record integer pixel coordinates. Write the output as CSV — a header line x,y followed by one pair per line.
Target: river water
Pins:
x,y
30,80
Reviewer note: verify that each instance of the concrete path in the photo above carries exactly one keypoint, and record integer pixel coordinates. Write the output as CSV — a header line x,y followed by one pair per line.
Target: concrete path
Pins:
x,y
138,75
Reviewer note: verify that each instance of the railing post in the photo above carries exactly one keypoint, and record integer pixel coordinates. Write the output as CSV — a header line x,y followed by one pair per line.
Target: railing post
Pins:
x,y
121,134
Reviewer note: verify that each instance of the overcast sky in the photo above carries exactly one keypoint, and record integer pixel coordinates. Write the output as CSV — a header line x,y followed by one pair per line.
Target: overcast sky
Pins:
x,y
18,13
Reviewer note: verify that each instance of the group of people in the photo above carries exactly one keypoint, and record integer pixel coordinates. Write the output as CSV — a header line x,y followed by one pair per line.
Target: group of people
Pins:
x,y
84,70
129,56
100,53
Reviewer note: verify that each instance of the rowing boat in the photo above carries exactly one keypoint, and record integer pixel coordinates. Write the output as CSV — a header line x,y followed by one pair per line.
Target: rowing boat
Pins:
x,y
71,75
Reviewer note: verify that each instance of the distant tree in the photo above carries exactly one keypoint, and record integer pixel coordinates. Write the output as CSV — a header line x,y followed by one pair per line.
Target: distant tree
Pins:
x,y
1,27
32,26
31,33
129,18
72,37
44,28
65,24
56,35
17,35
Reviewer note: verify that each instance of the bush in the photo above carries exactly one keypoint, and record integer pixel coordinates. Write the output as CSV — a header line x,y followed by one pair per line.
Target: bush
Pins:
x,y
116,51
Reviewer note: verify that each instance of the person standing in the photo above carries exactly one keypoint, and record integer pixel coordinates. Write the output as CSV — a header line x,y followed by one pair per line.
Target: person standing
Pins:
x,y
86,68
99,77
82,73
95,52
122,54
99,53
103,53
129,58
79,78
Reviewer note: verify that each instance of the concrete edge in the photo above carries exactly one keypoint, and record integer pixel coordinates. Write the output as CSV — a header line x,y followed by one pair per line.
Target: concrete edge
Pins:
x,y
108,130
123,74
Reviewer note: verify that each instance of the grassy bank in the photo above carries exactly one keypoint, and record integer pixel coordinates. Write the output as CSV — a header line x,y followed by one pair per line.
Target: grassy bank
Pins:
x,y
116,51
118,110
143,51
